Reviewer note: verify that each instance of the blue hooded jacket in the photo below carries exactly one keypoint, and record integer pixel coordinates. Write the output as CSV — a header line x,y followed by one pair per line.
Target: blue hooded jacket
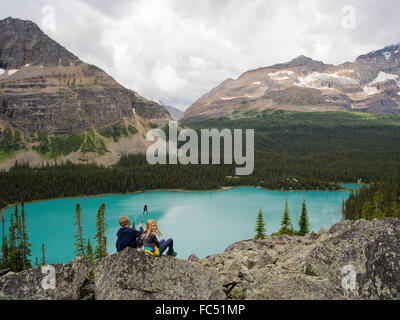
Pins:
x,y
128,237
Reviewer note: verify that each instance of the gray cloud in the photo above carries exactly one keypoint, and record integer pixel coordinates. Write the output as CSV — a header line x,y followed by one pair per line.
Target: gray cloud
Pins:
x,y
177,50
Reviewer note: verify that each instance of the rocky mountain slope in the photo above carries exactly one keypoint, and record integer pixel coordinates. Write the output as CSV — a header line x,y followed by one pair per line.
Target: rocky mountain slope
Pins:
x,y
45,88
352,260
369,84
175,113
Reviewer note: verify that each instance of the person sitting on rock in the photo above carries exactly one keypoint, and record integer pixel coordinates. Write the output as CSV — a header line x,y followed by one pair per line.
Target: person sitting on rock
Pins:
x,y
127,236
152,245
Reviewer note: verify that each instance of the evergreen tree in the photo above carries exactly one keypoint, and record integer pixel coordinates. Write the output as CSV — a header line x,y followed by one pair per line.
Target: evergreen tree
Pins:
x,y
43,258
36,262
90,254
4,247
303,221
286,222
12,246
378,200
366,212
394,204
101,246
24,249
260,226
79,240
18,242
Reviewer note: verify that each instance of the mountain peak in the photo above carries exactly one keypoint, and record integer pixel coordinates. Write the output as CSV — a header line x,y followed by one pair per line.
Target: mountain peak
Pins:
x,y
22,42
387,52
307,85
11,20
301,60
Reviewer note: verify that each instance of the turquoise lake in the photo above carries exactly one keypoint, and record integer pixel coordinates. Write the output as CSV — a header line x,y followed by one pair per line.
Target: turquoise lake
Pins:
x,y
203,223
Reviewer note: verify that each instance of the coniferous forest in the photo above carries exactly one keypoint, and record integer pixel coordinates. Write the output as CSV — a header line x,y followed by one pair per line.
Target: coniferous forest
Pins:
x,y
293,151
381,200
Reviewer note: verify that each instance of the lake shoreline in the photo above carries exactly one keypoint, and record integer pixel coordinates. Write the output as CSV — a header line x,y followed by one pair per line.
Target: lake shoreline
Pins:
x,y
221,189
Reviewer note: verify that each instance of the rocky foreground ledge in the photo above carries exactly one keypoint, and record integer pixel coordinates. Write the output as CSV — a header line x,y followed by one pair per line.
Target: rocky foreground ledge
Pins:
x,y
352,260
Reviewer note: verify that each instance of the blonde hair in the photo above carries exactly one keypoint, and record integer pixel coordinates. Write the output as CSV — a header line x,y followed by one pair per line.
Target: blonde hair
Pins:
x,y
148,230
123,222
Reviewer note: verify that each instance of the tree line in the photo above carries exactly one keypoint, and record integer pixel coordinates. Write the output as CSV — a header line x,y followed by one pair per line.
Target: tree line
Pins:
x,y
379,201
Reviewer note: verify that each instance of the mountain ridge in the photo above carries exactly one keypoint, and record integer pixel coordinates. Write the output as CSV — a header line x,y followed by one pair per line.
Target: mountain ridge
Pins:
x,y
369,84
54,105
175,113
38,68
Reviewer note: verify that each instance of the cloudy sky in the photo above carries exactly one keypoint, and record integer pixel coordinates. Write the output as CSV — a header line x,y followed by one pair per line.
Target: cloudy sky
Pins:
x,y
177,50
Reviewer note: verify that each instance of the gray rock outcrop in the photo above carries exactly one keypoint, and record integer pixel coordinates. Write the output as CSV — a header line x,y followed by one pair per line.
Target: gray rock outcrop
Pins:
x,y
354,260
54,282
135,275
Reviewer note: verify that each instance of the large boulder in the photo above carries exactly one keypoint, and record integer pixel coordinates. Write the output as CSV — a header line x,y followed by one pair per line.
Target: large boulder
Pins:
x,y
353,260
368,250
53,282
136,275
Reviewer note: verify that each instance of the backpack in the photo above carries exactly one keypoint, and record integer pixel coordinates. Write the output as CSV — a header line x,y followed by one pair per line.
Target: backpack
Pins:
x,y
154,251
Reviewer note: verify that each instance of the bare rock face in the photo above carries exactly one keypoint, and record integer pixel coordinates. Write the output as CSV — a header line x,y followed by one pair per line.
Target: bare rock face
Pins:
x,y
37,283
353,260
135,275
22,42
370,84
44,87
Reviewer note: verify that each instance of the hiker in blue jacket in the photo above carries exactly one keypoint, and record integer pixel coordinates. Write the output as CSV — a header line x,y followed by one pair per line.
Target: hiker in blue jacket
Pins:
x,y
127,236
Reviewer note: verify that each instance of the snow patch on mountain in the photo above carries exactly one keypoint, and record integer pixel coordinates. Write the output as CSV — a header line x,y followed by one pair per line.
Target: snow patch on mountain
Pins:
x,y
280,75
370,91
387,55
383,76
2,71
12,71
234,98
313,79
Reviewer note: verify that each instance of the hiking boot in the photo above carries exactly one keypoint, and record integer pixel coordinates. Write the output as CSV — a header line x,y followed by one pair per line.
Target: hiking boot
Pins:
x,y
173,253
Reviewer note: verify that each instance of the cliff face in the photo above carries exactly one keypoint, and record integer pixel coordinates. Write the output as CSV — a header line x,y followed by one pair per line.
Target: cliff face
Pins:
x,y
44,87
352,260
369,84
